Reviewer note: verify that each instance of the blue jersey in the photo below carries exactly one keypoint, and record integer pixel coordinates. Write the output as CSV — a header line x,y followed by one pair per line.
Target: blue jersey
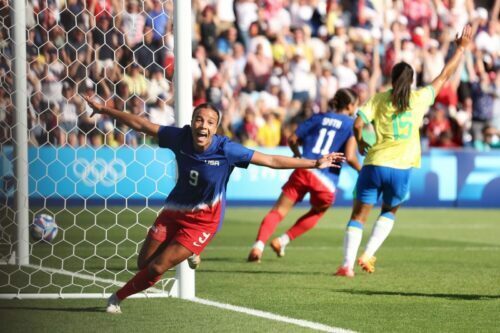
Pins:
x,y
323,134
200,189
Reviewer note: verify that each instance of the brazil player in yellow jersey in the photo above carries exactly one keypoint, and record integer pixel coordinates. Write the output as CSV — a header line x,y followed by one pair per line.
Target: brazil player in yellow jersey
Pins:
x,y
396,116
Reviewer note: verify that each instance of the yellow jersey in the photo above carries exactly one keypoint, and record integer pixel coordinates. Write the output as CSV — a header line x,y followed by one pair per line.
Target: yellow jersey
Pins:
x,y
397,133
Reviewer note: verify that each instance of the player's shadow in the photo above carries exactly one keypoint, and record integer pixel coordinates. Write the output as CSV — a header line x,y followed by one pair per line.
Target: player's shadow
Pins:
x,y
221,259
254,268
287,272
461,297
42,308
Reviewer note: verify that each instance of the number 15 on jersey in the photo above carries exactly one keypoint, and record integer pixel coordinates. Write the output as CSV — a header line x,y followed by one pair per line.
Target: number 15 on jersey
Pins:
x,y
401,125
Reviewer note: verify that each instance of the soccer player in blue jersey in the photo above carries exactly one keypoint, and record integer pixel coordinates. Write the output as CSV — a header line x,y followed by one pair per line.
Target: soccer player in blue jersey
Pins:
x,y
397,116
194,209
319,135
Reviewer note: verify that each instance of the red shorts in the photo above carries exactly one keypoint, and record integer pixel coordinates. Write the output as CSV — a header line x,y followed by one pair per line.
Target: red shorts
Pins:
x,y
302,182
180,227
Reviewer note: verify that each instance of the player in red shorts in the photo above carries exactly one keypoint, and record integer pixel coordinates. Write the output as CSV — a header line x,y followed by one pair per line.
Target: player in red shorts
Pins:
x,y
193,210
321,134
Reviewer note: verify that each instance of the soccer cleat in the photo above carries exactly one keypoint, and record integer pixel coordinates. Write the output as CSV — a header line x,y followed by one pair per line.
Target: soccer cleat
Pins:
x,y
113,305
345,271
255,255
367,264
277,247
194,261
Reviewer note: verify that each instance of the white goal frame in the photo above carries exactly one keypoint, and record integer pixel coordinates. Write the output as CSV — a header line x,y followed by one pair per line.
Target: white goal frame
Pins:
x,y
183,285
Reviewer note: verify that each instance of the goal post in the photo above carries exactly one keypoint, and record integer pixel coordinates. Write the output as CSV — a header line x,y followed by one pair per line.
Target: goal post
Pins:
x,y
103,184
184,106
21,135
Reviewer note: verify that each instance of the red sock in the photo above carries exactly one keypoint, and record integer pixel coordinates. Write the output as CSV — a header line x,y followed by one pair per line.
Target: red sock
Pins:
x,y
304,223
268,225
141,281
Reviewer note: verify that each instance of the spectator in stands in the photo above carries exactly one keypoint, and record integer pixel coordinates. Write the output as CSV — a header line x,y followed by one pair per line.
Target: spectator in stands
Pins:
x,y
208,31
483,92
101,9
107,39
249,129
438,124
135,80
69,16
68,116
233,68
133,22
259,68
269,134
246,13
37,127
496,103
215,91
446,140
145,53
157,19
225,43
258,40
97,39
491,139
203,67
302,78
158,85
161,113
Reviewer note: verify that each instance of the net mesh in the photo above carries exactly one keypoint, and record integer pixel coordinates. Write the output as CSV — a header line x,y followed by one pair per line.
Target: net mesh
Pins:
x,y
102,182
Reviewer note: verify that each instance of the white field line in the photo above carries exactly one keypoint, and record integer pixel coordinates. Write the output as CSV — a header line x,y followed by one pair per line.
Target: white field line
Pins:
x,y
322,248
272,316
85,277
248,311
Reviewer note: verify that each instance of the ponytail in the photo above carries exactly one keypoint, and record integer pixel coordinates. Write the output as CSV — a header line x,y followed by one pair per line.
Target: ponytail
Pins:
x,y
402,78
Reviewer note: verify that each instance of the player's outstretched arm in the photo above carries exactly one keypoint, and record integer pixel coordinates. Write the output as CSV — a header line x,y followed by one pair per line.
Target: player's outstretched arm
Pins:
x,y
451,66
285,162
131,120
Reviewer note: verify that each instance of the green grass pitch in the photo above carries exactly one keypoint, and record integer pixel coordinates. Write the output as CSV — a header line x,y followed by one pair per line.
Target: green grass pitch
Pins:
x,y
439,271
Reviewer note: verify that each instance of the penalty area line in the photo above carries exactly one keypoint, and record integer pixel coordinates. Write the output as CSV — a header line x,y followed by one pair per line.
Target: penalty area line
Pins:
x,y
272,316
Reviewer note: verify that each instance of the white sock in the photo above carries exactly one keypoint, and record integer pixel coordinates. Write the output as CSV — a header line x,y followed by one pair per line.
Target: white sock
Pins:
x,y
284,239
259,245
352,240
381,230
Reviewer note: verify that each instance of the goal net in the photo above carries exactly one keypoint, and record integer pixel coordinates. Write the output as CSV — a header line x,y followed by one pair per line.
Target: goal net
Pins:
x,y
102,182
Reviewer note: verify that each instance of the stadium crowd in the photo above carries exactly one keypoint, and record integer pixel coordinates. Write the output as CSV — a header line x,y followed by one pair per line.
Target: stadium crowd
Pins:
x,y
268,64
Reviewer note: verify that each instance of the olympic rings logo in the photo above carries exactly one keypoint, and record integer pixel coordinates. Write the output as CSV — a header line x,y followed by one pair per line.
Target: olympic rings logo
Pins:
x,y
100,171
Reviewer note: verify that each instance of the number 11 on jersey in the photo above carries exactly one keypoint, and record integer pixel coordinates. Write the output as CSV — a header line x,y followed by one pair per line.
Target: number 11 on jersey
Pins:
x,y
320,142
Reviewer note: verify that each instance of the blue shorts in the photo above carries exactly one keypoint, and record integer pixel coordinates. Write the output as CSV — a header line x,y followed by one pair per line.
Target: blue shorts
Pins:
x,y
393,184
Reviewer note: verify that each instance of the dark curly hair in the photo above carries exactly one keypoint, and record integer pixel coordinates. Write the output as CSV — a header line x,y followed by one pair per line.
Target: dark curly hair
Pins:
x,y
343,97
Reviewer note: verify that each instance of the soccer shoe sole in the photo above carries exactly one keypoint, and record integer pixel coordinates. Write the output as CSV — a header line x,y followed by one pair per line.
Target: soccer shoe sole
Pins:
x,y
368,265
344,272
255,255
113,309
276,246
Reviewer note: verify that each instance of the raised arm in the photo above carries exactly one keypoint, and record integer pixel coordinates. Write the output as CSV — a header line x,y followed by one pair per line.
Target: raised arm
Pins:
x,y
452,64
285,162
133,121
